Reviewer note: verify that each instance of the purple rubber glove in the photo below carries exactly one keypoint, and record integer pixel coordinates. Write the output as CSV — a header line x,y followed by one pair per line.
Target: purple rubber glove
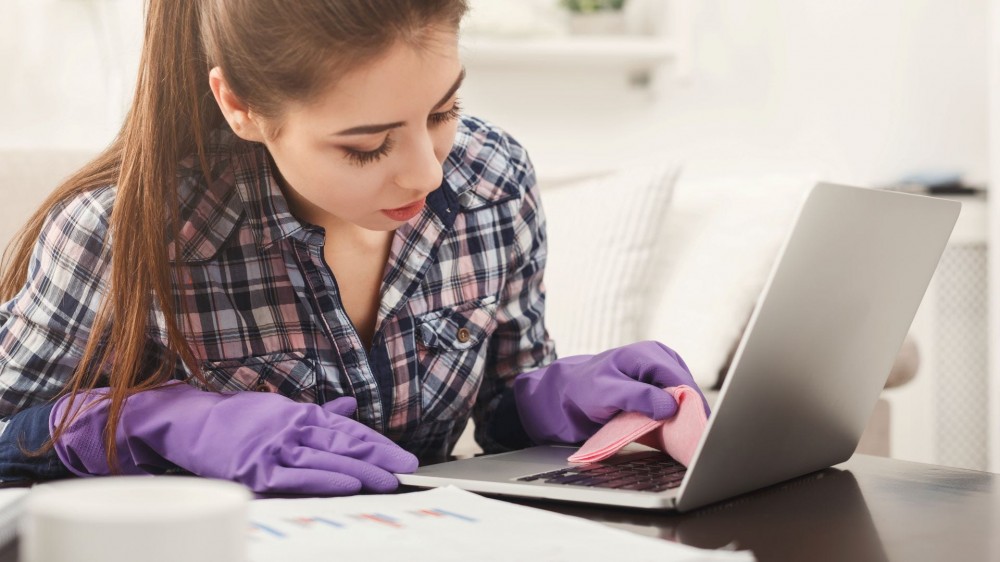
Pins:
x,y
263,440
568,400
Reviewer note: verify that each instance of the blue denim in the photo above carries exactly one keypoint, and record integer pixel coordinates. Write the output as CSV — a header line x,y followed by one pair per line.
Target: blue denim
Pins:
x,y
29,429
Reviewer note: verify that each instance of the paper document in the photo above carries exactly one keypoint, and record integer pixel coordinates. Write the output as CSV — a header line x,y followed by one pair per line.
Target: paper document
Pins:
x,y
445,524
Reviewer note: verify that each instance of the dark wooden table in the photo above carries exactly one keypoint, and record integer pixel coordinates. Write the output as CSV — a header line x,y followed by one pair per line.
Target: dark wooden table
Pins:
x,y
867,509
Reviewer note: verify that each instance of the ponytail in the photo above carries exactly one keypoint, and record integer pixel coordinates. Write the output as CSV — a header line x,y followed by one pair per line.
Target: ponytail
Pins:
x,y
171,113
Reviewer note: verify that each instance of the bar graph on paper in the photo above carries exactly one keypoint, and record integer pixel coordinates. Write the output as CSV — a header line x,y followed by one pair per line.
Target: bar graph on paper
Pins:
x,y
444,524
283,528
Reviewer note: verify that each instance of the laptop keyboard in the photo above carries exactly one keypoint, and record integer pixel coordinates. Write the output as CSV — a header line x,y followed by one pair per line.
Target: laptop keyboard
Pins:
x,y
653,472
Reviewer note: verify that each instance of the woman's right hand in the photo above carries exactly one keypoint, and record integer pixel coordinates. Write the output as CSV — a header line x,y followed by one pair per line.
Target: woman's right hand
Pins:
x,y
571,398
263,440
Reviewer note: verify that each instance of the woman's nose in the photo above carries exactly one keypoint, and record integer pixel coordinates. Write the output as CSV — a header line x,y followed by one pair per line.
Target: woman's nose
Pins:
x,y
422,170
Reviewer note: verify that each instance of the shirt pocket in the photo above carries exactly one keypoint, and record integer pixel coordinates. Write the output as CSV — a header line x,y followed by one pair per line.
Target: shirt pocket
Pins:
x,y
290,374
451,347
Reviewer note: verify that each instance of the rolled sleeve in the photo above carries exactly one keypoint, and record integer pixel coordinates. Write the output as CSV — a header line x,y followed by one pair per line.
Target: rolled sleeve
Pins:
x,y
45,327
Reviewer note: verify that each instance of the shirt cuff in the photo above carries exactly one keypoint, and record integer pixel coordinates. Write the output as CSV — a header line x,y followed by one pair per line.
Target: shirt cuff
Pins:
x,y
505,425
28,431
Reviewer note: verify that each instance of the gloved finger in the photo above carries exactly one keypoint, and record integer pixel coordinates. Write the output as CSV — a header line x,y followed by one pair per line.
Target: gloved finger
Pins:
x,y
674,355
372,478
649,362
664,367
665,373
666,376
388,456
342,406
354,428
632,396
297,480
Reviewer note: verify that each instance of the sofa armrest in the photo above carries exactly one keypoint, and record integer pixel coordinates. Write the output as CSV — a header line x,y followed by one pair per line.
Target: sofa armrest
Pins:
x,y
906,365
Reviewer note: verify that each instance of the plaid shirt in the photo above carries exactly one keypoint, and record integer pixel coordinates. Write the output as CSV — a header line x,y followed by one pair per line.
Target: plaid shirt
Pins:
x,y
461,308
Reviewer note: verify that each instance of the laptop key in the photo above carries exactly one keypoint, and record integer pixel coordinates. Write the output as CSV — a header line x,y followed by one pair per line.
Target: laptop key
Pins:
x,y
589,482
619,482
601,470
611,483
567,478
667,484
541,475
593,467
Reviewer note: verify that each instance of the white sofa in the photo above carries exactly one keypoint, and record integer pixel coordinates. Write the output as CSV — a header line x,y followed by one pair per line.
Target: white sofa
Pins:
x,y
633,255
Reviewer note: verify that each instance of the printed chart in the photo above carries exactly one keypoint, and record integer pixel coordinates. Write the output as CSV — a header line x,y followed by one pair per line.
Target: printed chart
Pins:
x,y
444,524
275,528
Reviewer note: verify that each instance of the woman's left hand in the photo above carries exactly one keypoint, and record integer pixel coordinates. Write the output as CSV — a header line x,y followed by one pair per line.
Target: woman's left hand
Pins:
x,y
568,400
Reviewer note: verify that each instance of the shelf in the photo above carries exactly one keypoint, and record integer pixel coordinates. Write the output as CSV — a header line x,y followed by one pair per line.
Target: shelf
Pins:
x,y
620,53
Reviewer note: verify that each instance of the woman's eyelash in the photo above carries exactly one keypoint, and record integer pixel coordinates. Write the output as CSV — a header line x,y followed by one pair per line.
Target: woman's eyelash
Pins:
x,y
361,158
445,116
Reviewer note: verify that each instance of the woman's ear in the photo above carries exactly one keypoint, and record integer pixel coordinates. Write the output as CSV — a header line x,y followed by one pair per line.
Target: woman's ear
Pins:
x,y
237,114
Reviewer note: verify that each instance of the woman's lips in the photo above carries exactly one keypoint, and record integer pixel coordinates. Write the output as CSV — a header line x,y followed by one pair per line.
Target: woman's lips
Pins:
x,y
406,212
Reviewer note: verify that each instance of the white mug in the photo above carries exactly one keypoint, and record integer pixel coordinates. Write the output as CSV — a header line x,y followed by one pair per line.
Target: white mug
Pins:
x,y
129,518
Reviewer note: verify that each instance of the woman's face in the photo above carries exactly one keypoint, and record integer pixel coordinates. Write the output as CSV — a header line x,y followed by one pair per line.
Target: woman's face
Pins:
x,y
369,150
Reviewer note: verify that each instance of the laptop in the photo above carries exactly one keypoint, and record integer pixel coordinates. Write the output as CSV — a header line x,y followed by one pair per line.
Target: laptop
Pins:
x,y
803,382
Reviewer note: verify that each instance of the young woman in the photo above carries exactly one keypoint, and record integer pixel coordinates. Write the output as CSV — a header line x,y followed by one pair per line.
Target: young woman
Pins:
x,y
297,267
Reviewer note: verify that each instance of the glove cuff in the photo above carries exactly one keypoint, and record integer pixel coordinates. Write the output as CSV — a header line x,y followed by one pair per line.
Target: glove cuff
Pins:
x,y
80,448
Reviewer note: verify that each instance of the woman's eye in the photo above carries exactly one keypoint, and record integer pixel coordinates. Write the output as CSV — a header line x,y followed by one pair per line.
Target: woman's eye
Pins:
x,y
363,158
445,116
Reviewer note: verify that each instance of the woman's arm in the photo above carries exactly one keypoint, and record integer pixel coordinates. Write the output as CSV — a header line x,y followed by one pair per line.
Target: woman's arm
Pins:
x,y
520,342
45,327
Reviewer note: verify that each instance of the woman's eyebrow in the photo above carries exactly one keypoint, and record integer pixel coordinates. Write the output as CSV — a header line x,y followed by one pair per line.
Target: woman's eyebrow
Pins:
x,y
373,129
451,91
369,129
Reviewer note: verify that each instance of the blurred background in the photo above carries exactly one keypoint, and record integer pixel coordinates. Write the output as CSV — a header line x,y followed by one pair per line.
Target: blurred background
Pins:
x,y
889,93
859,91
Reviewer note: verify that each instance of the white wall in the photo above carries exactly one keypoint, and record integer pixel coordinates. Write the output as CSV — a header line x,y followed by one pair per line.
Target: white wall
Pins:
x,y
861,91
68,68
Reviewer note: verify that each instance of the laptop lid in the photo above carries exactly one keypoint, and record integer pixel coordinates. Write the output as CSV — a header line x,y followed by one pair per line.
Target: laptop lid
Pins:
x,y
821,340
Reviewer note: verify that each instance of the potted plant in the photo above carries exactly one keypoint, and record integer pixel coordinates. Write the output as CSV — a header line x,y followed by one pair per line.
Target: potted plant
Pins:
x,y
595,17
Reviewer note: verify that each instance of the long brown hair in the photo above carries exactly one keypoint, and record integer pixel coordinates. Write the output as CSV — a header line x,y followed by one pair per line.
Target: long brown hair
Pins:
x,y
272,52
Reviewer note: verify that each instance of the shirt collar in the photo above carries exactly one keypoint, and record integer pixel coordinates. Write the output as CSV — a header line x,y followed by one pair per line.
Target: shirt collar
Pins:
x,y
265,205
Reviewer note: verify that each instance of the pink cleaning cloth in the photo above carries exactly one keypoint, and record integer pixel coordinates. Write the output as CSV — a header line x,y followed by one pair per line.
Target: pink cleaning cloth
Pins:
x,y
677,436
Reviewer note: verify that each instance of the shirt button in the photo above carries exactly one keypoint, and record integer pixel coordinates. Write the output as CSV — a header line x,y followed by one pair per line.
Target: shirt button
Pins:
x,y
262,387
463,335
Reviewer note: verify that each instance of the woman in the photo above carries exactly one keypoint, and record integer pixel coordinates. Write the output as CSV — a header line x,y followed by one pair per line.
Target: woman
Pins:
x,y
297,267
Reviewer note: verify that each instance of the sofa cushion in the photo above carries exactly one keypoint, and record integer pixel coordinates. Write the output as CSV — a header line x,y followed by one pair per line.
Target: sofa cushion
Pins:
x,y
721,237
604,237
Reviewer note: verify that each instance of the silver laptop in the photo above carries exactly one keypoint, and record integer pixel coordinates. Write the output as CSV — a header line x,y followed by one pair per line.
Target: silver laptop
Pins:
x,y
805,378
